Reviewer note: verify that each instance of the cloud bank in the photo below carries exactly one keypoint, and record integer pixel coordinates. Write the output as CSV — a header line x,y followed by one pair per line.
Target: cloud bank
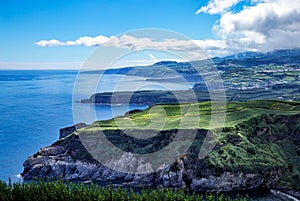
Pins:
x,y
257,25
262,25
212,47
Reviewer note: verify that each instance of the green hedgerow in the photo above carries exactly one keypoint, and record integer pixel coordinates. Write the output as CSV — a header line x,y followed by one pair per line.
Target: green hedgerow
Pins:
x,y
40,190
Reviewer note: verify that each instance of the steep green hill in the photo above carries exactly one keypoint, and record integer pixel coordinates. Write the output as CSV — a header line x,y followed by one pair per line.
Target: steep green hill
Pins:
x,y
257,146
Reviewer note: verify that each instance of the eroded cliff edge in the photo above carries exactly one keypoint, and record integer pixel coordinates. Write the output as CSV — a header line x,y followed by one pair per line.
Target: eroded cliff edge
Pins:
x,y
260,151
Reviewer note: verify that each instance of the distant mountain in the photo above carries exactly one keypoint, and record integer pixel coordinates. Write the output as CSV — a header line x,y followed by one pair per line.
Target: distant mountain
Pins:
x,y
171,69
246,76
247,59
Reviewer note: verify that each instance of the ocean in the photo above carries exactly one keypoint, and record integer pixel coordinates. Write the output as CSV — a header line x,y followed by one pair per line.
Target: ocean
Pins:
x,y
34,105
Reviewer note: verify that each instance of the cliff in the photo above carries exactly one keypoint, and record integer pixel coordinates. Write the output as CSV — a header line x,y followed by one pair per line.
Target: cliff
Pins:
x,y
259,147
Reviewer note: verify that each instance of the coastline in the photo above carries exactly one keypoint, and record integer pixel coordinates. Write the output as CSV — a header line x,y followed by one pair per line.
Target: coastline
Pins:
x,y
57,152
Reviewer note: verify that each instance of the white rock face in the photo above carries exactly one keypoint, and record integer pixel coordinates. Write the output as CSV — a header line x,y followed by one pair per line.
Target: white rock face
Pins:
x,y
69,160
228,181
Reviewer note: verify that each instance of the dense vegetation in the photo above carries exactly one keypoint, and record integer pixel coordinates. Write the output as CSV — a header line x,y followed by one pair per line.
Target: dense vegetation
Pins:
x,y
58,190
258,136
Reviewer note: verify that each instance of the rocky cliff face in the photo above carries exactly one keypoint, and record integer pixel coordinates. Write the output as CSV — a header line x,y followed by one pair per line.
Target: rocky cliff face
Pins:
x,y
55,162
63,132
249,156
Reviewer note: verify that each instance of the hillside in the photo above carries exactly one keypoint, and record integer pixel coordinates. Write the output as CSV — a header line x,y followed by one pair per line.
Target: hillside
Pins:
x,y
259,146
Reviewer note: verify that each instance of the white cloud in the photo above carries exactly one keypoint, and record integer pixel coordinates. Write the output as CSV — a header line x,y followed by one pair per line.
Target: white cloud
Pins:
x,y
45,43
262,18
134,43
218,6
85,40
211,47
263,25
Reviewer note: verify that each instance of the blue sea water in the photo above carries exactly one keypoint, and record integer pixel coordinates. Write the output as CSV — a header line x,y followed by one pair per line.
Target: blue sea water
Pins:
x,y
34,105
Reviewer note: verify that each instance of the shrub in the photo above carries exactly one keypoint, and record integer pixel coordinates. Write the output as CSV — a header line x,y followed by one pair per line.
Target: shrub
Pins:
x,y
59,190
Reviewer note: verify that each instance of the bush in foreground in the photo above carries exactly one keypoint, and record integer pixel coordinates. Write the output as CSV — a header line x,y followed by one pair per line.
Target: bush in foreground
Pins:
x,y
59,190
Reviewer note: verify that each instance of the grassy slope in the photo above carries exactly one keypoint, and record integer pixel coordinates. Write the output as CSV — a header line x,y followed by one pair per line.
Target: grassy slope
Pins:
x,y
257,135
236,112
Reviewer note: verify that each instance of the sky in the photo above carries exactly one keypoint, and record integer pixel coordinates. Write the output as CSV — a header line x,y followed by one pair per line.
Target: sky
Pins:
x,y
59,34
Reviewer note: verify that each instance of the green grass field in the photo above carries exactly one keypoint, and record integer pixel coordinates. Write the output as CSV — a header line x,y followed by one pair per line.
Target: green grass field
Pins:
x,y
204,115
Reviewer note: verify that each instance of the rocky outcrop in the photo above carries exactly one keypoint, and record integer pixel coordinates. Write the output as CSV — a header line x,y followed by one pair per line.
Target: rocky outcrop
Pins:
x,y
235,181
55,162
68,158
63,132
